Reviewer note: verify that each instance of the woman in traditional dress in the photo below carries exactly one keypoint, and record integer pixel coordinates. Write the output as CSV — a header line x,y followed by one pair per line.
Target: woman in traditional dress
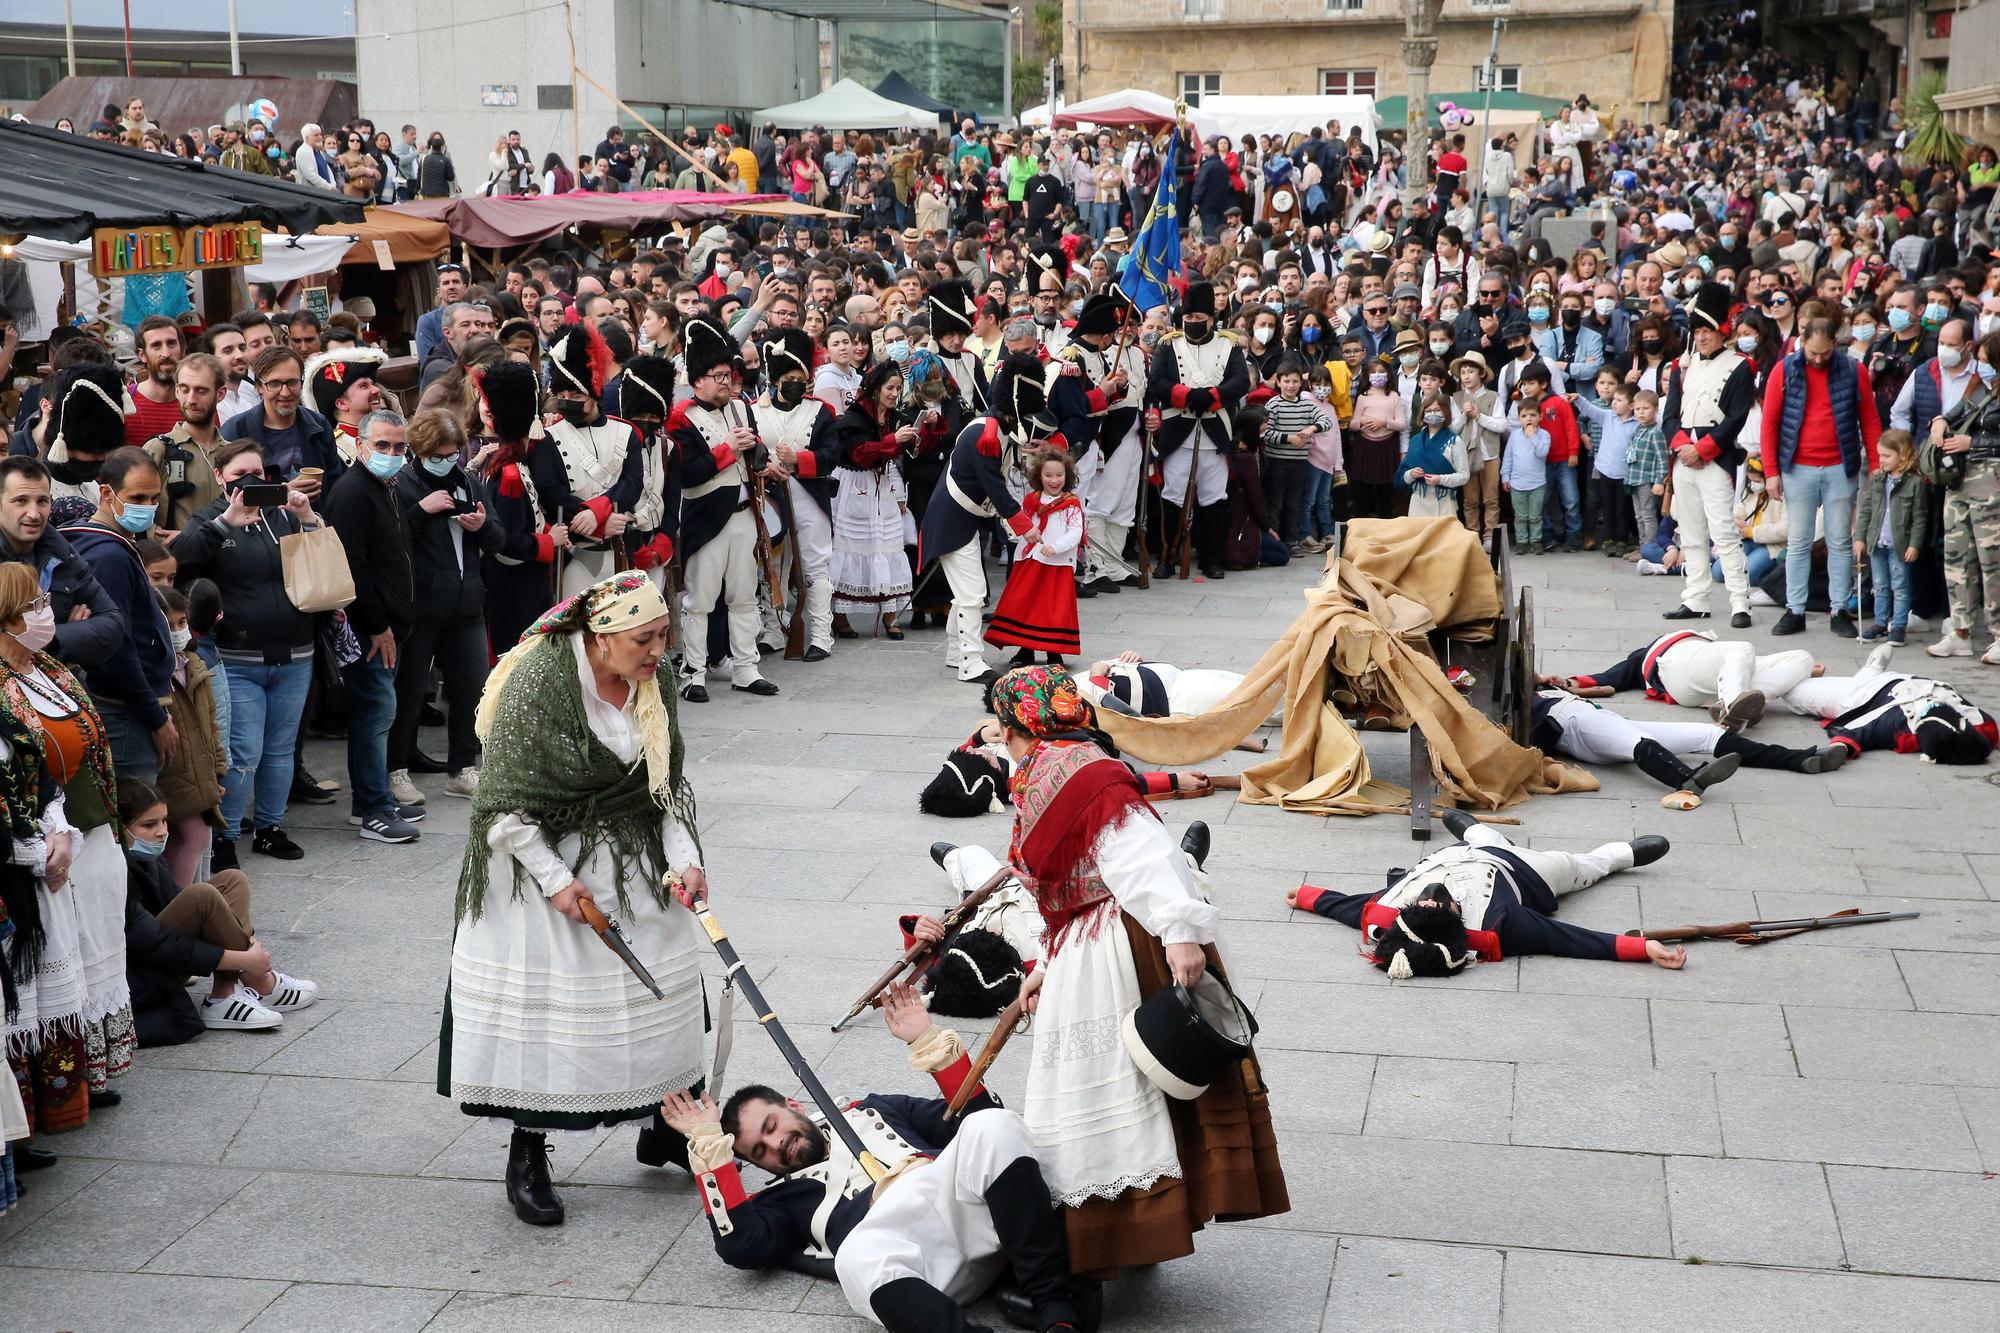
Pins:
x,y
582,801
1138,1173
1037,610
871,574
72,1019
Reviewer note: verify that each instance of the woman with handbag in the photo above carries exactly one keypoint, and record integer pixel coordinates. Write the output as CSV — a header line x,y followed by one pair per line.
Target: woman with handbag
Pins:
x,y
266,643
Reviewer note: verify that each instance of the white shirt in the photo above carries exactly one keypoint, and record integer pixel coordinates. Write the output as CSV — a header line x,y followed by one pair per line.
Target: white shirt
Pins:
x,y
1953,384
237,401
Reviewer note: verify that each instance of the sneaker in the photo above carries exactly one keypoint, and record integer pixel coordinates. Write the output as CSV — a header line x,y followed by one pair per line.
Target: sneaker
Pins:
x,y
1652,567
222,854
386,826
1953,644
1842,625
409,814
1991,657
1758,597
1897,638
465,783
239,1011
1874,632
273,842
309,790
404,790
288,994
1790,623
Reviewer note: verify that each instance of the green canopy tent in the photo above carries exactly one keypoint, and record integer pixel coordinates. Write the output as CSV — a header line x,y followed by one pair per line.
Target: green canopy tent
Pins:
x,y
1393,109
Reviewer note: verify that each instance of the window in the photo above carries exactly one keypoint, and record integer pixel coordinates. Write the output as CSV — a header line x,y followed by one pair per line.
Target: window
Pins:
x,y
1341,82
1507,78
1194,85
1344,6
1492,4
1201,9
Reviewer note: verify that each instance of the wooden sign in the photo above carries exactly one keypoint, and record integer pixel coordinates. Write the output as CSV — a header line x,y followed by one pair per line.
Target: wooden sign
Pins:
x,y
125,252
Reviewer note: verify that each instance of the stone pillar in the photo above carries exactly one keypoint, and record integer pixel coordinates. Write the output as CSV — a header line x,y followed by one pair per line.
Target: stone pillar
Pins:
x,y
1420,50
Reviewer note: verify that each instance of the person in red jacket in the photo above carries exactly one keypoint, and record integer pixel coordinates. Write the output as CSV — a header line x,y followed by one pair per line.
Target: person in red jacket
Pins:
x,y
1565,451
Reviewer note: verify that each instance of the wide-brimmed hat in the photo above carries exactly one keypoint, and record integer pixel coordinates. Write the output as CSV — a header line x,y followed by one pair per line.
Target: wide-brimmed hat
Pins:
x,y
1380,241
1409,338
1116,236
1475,360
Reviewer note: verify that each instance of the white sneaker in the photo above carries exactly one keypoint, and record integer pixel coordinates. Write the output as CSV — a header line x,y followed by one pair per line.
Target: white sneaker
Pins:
x,y
1758,597
1991,657
239,1010
404,790
288,994
463,783
1953,644
1878,660
1653,567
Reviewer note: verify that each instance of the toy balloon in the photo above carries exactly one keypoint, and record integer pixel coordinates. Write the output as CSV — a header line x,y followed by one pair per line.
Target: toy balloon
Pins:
x,y
266,110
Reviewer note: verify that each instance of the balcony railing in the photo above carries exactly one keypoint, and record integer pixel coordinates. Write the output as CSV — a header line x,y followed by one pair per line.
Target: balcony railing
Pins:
x,y
1180,13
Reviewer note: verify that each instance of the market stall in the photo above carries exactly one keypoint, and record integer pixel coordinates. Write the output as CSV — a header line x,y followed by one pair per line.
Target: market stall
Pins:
x,y
850,106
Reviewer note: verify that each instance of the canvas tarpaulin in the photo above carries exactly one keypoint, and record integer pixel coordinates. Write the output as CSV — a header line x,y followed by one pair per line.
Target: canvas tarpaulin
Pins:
x,y
509,220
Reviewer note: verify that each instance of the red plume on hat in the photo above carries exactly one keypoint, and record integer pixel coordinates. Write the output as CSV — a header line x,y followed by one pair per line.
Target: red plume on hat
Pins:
x,y
581,360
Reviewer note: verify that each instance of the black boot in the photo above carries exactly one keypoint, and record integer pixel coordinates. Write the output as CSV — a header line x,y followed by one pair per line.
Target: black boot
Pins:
x,y
1666,768
1036,1242
912,1305
529,1188
1211,532
1195,843
1756,754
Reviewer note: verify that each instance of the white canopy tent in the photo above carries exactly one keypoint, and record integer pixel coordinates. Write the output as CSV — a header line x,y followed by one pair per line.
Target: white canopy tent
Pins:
x,y
1116,108
848,106
1240,114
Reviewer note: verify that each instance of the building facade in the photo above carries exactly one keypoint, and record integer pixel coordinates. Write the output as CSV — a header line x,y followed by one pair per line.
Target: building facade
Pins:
x,y
678,63
1552,48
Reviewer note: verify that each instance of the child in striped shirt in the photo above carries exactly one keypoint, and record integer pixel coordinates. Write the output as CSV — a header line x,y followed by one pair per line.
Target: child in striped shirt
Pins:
x,y
1290,421
1646,464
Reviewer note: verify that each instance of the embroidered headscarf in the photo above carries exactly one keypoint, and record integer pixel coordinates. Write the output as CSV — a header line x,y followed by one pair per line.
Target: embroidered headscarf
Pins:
x,y
1041,701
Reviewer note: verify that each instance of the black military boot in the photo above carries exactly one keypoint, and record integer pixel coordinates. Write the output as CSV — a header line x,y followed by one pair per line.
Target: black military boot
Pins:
x,y
912,1305
1666,768
1032,1233
529,1188
1757,754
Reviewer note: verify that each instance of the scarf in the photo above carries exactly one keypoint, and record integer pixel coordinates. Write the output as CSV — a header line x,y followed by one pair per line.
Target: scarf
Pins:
x,y
1429,450
1068,793
542,761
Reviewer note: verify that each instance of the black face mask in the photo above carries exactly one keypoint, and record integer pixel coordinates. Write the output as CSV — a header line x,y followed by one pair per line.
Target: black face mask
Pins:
x,y
1650,344
1572,318
574,410
788,394
750,377
1197,331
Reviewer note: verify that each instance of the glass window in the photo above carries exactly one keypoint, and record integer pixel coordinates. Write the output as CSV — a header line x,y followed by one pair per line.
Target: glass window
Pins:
x,y
1201,9
961,62
1194,85
1343,82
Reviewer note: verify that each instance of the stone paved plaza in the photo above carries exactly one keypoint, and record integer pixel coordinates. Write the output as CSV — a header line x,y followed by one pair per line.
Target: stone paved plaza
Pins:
x,y
1799,1136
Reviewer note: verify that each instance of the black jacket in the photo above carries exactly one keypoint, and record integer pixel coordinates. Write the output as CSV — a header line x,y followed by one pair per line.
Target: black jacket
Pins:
x,y
158,958
69,582
244,563
318,450
363,509
141,672
448,582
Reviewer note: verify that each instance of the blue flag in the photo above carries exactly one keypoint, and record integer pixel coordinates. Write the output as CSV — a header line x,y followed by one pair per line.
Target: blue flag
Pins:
x,y
1156,252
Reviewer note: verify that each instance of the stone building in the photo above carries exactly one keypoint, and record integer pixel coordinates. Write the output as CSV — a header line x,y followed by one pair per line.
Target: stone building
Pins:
x,y
1552,48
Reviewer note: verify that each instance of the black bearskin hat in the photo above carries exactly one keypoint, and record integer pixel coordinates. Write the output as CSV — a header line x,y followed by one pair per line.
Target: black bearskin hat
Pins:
x,y
785,351
328,375
1424,942
648,387
977,974
1946,736
1710,306
1102,313
580,360
1047,259
1200,299
706,345
1018,395
952,307
88,412
970,783
513,397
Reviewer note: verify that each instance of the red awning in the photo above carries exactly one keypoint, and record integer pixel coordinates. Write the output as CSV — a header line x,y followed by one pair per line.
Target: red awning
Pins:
x,y
1116,117
509,220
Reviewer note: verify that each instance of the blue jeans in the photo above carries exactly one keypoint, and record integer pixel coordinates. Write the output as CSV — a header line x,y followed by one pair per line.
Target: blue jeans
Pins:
x,y
1807,489
1892,587
1501,206
1319,503
1103,217
265,706
1563,507
131,743
371,710
1756,556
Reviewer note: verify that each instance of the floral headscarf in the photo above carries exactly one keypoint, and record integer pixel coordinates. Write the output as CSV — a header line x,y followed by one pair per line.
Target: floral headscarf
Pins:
x,y
1041,701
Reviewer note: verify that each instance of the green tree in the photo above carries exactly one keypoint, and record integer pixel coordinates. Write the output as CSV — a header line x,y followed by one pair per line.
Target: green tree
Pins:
x,y
1045,32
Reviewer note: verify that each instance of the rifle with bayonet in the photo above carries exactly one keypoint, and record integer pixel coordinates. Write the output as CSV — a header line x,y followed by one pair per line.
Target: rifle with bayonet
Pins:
x,y
1763,932
917,955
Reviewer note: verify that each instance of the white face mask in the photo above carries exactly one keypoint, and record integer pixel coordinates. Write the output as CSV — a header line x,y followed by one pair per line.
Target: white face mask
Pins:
x,y
182,638
39,629
1949,357
1604,305
1246,282
1261,334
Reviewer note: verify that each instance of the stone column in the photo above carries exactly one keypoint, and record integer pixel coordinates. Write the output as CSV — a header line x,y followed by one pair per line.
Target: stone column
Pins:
x,y
1420,50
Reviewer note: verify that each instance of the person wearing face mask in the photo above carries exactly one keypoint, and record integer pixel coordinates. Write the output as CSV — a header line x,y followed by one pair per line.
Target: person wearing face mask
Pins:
x,y
364,509
799,430
1266,349
601,458
1196,381
130,688
447,514
1710,393
90,626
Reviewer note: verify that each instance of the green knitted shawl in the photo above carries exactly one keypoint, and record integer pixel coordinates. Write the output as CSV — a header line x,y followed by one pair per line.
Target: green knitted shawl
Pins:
x,y
543,762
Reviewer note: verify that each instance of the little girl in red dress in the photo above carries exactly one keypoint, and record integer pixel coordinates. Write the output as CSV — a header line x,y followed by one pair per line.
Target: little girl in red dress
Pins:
x,y
1037,612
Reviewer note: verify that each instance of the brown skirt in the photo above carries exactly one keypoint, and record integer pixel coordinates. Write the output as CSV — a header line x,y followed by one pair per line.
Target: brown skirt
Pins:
x,y
1228,1153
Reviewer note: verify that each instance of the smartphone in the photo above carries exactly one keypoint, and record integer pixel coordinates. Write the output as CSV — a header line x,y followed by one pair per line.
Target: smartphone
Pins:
x,y
463,506
265,495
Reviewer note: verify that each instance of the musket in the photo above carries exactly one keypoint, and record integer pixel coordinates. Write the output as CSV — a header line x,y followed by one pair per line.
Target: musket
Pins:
x,y
1145,484
736,414
767,1018
614,939
795,626
917,954
1759,932
1003,1028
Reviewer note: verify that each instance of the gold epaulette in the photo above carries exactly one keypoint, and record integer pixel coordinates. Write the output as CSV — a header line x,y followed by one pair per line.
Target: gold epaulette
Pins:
x,y
1170,335
1230,335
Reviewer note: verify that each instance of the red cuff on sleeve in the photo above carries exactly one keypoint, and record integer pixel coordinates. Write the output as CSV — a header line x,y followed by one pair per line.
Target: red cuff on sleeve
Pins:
x,y
1019,523
952,1077
545,548
805,463
1681,440
601,507
729,1183
1906,743
725,456
1179,396
1101,682
1853,746
1157,784
1097,399
906,924
1308,896
1586,682
1631,948
1708,448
